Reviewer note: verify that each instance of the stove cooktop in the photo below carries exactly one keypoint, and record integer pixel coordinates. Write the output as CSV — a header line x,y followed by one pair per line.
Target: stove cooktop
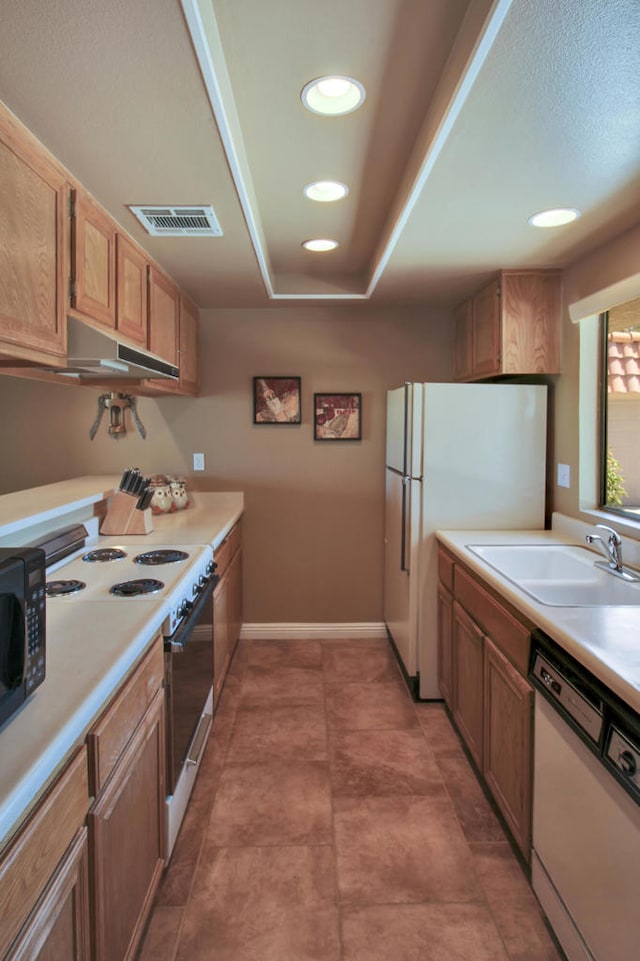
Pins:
x,y
132,572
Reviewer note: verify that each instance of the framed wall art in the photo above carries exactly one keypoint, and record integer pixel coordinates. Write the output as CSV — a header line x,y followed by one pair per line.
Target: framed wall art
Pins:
x,y
276,400
337,416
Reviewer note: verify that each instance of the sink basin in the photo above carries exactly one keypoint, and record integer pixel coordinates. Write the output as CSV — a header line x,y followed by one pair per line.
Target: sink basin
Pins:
x,y
559,575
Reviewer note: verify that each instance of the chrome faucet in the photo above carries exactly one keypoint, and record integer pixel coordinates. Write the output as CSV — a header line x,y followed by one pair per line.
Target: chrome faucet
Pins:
x,y
612,547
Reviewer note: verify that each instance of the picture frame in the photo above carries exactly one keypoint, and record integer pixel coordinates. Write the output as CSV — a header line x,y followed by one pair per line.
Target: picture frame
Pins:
x,y
337,417
277,401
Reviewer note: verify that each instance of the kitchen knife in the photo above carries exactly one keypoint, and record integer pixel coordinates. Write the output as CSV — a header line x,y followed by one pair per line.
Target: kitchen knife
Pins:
x,y
125,480
145,497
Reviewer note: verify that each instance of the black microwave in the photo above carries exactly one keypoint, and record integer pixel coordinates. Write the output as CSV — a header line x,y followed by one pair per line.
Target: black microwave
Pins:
x,y
22,625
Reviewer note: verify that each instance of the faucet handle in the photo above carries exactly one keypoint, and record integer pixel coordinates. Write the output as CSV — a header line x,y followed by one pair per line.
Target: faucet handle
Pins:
x,y
614,537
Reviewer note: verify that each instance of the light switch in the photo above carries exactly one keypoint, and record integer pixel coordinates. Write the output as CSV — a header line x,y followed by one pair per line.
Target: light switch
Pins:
x,y
198,461
564,475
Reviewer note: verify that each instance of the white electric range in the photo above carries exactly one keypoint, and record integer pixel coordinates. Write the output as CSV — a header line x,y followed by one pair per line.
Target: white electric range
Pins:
x,y
120,572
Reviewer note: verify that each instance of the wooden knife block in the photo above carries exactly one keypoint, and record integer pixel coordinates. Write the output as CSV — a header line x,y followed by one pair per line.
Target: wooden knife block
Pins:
x,y
122,517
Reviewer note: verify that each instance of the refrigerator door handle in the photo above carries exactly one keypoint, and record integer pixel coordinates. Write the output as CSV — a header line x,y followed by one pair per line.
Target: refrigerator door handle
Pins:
x,y
405,445
404,566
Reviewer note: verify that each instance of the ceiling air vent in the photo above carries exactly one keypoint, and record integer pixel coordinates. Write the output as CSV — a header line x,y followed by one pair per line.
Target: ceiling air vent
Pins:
x,y
178,221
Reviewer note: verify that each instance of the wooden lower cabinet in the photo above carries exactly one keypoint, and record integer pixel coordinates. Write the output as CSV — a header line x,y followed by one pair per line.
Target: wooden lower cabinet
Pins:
x,y
467,659
227,607
483,659
445,645
126,826
58,929
508,709
44,911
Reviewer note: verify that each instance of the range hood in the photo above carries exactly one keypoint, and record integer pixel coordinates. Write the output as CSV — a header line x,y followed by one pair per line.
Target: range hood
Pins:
x,y
92,353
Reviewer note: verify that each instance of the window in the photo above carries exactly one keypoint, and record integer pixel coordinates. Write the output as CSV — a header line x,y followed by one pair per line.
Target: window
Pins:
x,y
620,392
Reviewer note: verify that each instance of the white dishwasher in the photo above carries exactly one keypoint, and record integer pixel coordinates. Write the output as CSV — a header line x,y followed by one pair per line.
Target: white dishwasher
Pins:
x,y
586,813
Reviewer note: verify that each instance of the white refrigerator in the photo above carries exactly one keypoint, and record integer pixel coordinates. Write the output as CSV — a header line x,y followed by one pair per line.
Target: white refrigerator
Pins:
x,y
458,457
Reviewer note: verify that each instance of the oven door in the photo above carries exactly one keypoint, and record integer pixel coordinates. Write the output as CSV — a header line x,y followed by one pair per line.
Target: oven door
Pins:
x,y
189,700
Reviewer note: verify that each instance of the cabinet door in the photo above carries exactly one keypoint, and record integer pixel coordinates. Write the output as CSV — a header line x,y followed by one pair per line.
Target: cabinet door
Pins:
x,y
531,322
486,331
445,630
164,315
126,826
32,249
93,262
34,856
188,359
463,341
58,928
508,700
468,643
235,601
131,291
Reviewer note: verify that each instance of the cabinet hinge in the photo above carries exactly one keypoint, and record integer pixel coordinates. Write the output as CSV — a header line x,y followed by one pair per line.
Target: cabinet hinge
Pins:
x,y
72,204
72,289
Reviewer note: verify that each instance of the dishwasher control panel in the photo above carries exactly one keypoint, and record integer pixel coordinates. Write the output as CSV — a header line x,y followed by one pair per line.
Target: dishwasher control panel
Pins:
x,y
560,690
624,755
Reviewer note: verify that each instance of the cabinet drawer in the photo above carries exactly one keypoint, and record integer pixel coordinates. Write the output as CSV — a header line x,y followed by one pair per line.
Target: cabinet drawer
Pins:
x,y
34,855
445,568
227,549
510,636
107,740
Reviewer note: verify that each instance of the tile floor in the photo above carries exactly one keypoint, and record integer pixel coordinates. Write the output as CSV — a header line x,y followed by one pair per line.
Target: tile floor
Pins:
x,y
335,820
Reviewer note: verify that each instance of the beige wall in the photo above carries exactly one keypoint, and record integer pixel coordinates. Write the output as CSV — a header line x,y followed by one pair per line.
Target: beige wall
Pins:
x,y
314,512
603,267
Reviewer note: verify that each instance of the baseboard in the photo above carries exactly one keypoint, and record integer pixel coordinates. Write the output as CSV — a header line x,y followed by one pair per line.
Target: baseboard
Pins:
x,y
312,632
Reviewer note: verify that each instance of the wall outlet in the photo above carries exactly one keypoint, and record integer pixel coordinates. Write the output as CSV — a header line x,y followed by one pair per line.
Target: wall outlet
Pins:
x,y
198,461
564,475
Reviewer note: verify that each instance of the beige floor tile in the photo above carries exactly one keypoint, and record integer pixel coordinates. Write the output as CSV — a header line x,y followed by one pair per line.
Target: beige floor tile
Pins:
x,y
513,904
382,762
263,904
421,932
477,818
401,850
439,732
161,937
291,685
270,654
278,802
374,706
276,730
359,661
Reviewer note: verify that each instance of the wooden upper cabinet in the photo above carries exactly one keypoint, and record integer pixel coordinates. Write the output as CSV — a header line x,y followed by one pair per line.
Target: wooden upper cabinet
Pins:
x,y
463,341
131,290
486,331
33,215
164,317
93,261
511,326
188,357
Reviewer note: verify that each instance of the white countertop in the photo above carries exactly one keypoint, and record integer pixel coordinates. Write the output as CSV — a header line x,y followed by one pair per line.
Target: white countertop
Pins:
x,y
89,654
606,640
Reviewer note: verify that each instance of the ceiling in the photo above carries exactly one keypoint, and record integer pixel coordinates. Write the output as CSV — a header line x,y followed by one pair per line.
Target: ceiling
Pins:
x,y
477,115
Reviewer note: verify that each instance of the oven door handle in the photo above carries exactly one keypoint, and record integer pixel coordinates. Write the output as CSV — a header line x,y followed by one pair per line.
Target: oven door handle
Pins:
x,y
177,642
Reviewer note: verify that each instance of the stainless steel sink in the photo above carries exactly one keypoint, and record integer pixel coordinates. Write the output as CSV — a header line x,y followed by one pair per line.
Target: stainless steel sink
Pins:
x,y
559,575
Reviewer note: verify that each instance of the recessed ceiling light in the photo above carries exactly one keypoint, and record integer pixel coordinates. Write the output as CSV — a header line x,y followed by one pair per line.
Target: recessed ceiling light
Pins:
x,y
333,96
326,191
320,244
554,218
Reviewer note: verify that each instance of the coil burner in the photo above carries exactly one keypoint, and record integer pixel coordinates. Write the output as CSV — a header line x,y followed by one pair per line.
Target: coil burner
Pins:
x,y
163,556
105,554
60,588
142,585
